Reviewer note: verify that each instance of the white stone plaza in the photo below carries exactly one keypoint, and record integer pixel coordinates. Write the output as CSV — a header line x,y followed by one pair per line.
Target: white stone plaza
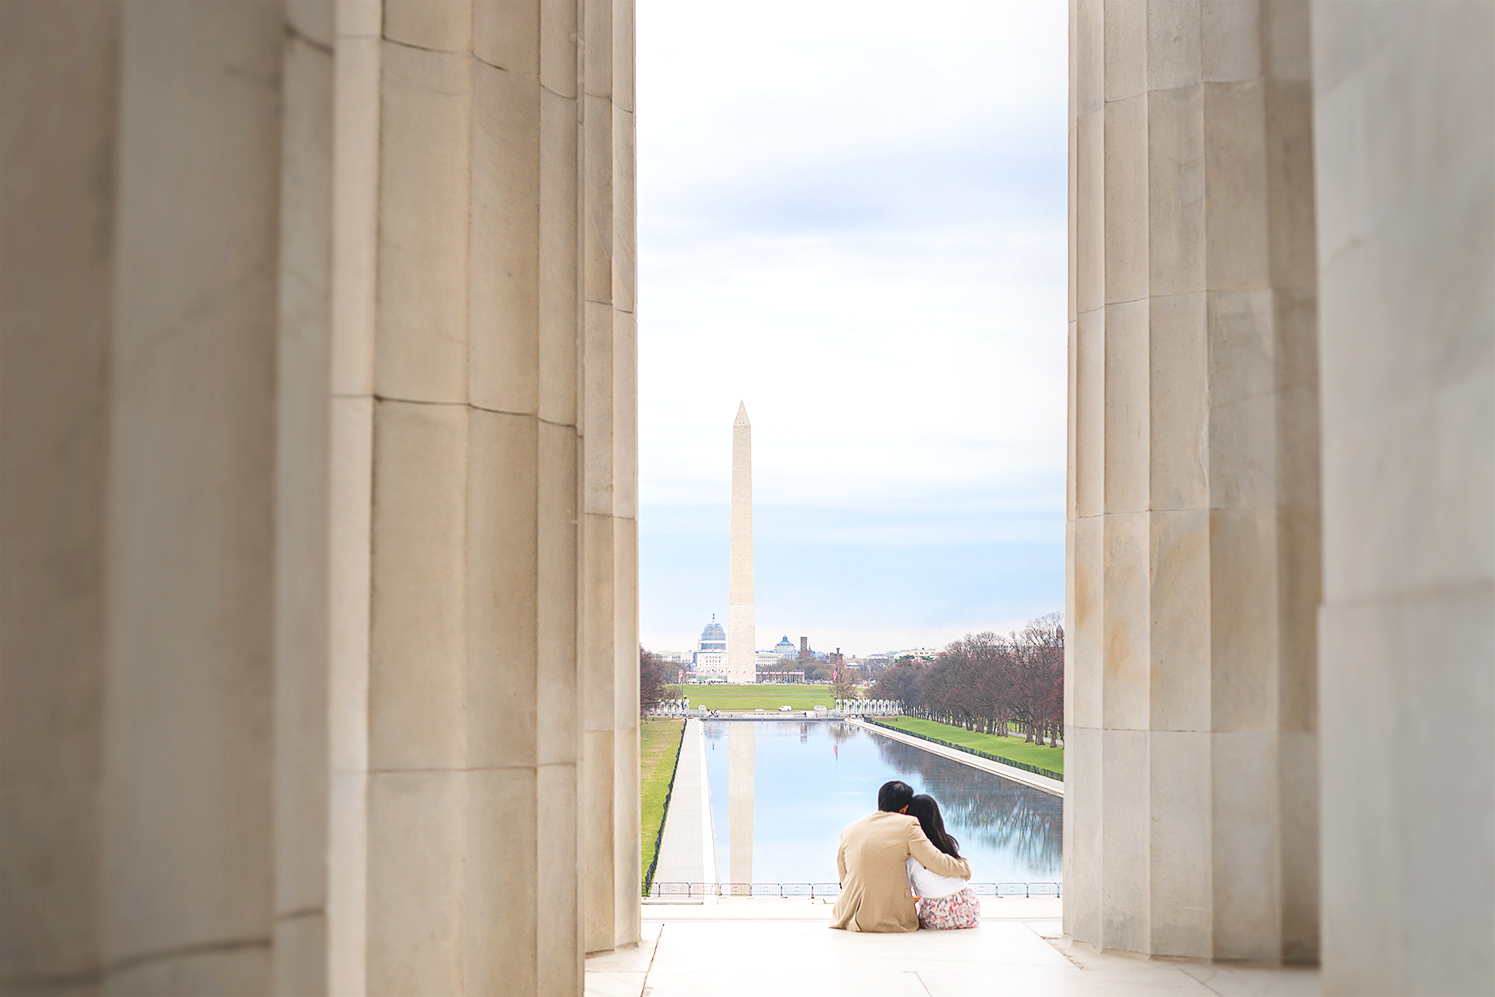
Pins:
x,y
750,947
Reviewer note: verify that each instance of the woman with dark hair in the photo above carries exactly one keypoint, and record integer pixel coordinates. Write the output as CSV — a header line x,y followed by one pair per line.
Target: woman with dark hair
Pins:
x,y
943,902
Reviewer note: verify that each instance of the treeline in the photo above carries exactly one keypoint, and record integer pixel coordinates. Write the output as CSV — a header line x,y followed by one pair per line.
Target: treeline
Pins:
x,y
989,682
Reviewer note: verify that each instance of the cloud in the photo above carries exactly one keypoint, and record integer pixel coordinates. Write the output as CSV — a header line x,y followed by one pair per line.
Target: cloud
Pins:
x,y
854,220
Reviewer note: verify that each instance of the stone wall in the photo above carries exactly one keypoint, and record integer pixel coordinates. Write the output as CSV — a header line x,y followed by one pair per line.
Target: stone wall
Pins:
x,y
320,462
1404,148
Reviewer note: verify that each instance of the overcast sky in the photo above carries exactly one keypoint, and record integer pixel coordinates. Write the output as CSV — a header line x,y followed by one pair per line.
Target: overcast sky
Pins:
x,y
852,217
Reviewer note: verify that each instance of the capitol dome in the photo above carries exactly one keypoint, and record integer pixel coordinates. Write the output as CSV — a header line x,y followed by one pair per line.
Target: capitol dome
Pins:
x,y
713,638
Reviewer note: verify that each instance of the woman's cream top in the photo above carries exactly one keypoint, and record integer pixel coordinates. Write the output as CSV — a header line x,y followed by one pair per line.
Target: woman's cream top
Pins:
x,y
929,884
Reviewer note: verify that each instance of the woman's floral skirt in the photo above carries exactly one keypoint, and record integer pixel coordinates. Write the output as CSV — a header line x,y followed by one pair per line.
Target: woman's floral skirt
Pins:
x,y
958,910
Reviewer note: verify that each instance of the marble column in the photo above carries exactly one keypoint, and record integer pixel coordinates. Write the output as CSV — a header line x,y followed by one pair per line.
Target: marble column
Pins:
x,y
1404,155
483,610
742,635
357,57
320,546
303,446
613,876
475,696
1191,798
188,832
59,71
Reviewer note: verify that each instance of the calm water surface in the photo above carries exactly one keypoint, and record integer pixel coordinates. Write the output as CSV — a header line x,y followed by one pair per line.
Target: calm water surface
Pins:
x,y
812,779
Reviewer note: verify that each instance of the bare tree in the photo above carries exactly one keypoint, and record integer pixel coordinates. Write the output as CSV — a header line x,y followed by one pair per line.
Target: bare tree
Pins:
x,y
842,687
988,682
651,680
899,683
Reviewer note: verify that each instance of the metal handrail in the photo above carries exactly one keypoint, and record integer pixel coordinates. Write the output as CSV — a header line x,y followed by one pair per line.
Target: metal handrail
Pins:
x,y
814,890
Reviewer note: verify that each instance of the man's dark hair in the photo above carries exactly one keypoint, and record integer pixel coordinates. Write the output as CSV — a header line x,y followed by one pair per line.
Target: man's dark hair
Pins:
x,y
894,796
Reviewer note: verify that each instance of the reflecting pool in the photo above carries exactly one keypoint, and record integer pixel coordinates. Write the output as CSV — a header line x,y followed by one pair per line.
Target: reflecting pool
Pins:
x,y
796,784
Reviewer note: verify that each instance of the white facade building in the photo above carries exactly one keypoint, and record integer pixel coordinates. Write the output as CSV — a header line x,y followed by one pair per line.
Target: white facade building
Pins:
x,y
710,659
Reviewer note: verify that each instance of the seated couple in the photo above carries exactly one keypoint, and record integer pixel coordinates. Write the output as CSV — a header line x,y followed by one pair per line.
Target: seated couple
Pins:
x,y
900,871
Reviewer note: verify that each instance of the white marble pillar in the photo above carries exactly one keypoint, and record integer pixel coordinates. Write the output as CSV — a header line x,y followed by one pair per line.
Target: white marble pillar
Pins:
x,y
473,859
1404,154
188,833
463,370
609,487
742,634
319,320
1191,789
57,206
302,522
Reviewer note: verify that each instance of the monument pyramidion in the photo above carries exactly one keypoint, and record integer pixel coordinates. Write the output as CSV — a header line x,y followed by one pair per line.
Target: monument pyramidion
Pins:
x,y
741,631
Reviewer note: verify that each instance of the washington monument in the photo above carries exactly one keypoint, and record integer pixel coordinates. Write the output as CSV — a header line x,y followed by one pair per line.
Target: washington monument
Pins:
x,y
742,635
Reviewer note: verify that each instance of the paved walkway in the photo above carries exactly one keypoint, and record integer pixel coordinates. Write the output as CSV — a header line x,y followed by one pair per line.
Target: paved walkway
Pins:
x,y
687,849
1033,779
783,947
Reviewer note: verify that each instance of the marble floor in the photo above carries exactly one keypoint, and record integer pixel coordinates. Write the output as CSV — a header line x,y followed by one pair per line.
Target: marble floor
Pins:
x,y
783,948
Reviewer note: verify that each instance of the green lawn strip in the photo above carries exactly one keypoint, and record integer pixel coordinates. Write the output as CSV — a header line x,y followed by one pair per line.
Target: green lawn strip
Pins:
x,y
1012,746
752,697
659,751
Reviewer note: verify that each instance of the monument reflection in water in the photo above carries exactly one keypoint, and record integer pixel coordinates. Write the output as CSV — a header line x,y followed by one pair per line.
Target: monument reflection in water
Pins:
x,y
781,791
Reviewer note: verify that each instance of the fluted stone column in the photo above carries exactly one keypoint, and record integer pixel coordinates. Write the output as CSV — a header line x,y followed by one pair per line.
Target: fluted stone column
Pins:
x,y
187,833
1190,805
59,63
480,384
1404,152
303,447
318,341
609,486
460,379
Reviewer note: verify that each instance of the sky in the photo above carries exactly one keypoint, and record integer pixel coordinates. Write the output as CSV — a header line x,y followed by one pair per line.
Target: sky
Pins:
x,y
852,219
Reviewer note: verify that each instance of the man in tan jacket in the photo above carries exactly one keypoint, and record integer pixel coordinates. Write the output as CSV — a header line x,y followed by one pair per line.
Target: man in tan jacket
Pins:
x,y
874,880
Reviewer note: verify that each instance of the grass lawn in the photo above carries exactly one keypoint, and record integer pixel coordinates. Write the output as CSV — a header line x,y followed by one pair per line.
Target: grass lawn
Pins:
x,y
750,697
1011,746
658,751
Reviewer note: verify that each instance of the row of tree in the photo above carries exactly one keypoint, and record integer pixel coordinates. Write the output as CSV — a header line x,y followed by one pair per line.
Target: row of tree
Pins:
x,y
989,682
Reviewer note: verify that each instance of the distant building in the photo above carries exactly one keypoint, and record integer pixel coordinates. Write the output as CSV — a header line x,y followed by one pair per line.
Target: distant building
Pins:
x,y
710,659
713,638
710,665
785,648
909,653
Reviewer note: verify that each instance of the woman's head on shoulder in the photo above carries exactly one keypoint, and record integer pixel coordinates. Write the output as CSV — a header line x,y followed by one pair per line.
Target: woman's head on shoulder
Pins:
x,y
924,808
